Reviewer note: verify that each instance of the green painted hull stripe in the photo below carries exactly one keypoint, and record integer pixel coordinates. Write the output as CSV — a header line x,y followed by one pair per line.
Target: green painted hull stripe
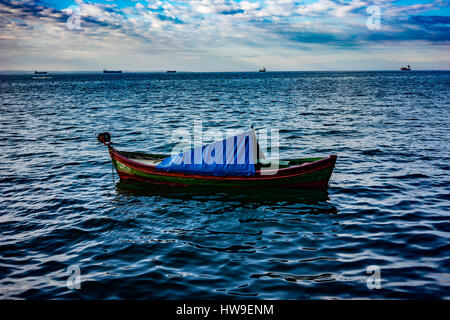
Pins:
x,y
320,175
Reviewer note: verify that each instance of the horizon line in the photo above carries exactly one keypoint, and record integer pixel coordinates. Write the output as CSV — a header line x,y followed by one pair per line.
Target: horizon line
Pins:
x,y
189,71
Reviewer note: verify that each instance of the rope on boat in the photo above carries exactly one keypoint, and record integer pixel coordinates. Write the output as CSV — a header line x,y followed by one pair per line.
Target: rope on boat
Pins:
x,y
105,138
112,172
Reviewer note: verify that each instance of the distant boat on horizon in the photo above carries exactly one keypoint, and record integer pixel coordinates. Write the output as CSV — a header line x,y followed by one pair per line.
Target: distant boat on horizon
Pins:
x,y
112,71
40,72
408,68
171,71
263,69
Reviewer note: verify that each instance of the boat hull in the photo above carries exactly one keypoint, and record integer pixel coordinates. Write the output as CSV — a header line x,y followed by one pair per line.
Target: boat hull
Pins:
x,y
308,176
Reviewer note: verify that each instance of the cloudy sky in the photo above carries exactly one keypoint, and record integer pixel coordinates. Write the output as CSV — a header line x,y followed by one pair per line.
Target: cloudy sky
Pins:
x,y
224,35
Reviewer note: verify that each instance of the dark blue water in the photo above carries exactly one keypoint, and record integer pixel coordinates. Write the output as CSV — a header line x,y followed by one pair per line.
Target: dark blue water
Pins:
x,y
388,203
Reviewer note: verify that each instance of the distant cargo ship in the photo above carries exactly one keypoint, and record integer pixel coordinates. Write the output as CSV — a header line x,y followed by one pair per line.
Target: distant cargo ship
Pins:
x,y
171,71
408,68
112,71
263,69
40,72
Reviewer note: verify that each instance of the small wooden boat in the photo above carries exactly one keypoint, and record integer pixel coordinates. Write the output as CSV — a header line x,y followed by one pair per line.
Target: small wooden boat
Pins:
x,y
305,174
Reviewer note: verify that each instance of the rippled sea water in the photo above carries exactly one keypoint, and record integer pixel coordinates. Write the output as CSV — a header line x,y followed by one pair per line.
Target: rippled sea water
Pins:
x,y
388,202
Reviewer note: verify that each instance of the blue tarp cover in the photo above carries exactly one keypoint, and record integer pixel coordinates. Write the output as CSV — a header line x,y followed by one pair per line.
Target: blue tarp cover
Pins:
x,y
234,156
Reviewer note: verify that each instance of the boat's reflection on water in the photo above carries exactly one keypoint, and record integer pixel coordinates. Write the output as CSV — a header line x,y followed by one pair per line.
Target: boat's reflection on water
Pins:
x,y
245,195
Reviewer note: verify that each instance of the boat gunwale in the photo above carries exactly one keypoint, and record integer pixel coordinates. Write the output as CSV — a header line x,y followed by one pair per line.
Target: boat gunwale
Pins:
x,y
282,173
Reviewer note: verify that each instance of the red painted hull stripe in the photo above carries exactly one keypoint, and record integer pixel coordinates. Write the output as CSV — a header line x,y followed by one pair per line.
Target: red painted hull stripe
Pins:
x,y
282,173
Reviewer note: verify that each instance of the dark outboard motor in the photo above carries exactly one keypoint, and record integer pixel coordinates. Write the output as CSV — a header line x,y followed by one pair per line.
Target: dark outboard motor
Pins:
x,y
104,138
